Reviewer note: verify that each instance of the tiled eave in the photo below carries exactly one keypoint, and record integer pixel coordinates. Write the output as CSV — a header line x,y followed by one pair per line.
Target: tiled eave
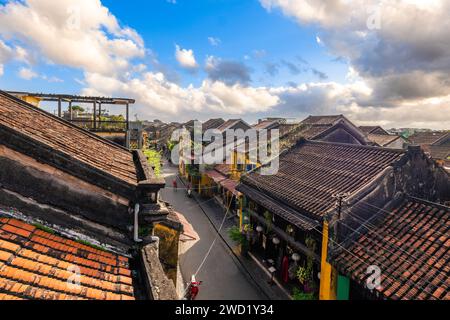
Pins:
x,y
62,161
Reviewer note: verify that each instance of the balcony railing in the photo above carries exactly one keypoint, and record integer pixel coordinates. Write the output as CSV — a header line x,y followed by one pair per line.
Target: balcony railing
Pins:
x,y
101,126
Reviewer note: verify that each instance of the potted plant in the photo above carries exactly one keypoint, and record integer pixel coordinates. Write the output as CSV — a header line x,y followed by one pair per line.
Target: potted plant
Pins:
x,y
240,237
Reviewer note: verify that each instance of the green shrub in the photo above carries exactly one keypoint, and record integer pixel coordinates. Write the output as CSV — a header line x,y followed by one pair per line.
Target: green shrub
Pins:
x,y
87,243
154,160
43,228
299,295
236,235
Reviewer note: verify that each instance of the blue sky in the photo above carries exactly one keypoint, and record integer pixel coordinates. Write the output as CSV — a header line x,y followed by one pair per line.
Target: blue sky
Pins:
x,y
246,31
266,59
243,27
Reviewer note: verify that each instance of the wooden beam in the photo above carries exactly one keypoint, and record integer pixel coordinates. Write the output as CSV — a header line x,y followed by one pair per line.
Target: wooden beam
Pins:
x,y
99,114
95,115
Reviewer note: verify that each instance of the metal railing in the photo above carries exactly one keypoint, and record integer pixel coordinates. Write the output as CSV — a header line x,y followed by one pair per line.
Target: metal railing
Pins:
x,y
101,126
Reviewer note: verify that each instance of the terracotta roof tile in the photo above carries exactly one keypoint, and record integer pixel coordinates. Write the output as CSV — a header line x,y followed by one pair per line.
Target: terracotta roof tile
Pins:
x,y
382,139
400,244
427,138
35,264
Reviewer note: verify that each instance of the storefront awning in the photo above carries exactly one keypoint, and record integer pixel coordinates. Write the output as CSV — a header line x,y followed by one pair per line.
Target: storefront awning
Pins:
x,y
230,185
216,176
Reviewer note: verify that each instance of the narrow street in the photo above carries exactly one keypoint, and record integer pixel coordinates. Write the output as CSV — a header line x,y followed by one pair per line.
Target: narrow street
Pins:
x,y
222,277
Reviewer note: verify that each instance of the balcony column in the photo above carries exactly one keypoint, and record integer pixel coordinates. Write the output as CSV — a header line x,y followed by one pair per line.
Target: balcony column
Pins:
x,y
128,116
127,119
95,115
59,107
100,115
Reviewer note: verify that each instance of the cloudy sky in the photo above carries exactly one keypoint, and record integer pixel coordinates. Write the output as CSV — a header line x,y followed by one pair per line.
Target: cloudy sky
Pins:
x,y
378,62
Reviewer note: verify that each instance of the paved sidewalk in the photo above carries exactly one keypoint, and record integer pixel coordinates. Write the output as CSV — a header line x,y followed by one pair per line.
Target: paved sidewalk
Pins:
x,y
252,267
208,256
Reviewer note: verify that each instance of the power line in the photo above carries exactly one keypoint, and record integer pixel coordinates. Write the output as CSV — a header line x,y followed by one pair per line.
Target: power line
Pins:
x,y
393,254
352,254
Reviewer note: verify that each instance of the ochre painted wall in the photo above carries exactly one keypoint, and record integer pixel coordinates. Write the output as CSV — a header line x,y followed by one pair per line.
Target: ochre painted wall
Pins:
x,y
168,249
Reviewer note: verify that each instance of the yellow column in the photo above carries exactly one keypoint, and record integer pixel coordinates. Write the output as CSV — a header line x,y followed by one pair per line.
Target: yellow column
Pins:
x,y
327,272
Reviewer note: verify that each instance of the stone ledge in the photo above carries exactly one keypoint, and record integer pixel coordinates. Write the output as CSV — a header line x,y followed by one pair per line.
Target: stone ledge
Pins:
x,y
158,285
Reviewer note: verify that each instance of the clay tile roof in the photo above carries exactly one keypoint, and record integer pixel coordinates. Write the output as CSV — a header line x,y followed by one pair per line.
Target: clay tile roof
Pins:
x,y
314,127
382,139
440,152
212,124
265,124
311,172
323,120
227,124
60,135
223,168
36,264
372,129
424,138
411,246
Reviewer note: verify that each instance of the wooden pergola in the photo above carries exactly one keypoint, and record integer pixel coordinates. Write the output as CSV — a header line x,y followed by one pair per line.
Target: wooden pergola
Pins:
x,y
97,103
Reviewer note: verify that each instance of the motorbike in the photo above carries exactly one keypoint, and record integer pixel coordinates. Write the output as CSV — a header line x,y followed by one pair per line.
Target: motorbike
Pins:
x,y
189,193
193,288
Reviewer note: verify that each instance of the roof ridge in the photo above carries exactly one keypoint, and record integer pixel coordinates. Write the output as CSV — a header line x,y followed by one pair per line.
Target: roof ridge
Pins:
x,y
61,120
428,202
444,136
357,146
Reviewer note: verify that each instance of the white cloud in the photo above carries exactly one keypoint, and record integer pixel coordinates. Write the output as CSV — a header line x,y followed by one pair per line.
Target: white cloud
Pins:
x,y
214,41
156,96
185,58
399,49
77,33
52,79
27,74
394,79
5,55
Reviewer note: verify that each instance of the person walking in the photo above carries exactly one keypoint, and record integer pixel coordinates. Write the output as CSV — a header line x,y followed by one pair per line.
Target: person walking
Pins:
x,y
174,184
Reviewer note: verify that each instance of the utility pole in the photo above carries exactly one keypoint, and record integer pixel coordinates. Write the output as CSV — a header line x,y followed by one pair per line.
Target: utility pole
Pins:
x,y
340,199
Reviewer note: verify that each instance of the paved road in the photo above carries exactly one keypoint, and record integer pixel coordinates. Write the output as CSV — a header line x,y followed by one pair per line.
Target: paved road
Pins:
x,y
222,277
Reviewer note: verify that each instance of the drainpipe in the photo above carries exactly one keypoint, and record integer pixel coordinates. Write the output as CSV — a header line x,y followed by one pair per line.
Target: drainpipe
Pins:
x,y
136,223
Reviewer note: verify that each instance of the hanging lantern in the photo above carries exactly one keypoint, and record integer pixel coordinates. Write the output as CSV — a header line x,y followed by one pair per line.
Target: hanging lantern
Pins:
x,y
259,229
295,257
276,241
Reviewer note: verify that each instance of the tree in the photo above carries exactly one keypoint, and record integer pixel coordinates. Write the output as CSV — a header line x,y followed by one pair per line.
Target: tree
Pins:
x,y
78,108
